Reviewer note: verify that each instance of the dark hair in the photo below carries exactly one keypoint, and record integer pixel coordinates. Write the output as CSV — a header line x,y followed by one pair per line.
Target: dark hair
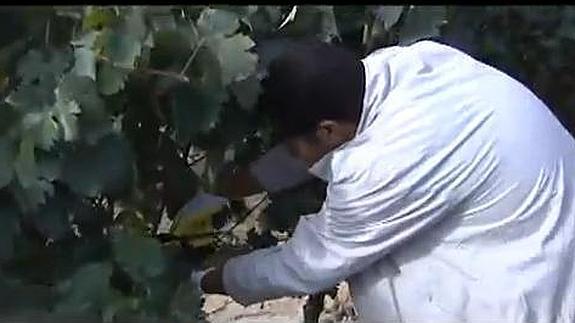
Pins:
x,y
309,82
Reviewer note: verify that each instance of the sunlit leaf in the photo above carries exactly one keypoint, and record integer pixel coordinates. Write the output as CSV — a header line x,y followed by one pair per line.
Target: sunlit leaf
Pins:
x,y
235,60
121,49
25,163
98,17
217,22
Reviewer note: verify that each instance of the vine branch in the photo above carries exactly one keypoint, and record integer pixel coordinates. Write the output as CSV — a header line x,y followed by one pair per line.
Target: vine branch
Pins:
x,y
192,57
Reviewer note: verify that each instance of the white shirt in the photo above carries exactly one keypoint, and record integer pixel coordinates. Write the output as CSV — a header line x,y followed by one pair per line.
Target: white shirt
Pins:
x,y
454,202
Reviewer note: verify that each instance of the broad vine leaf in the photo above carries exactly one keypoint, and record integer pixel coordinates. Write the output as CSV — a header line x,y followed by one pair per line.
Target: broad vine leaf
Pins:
x,y
134,22
25,163
93,121
196,216
37,65
88,289
193,111
172,47
311,20
83,90
65,112
187,304
84,55
31,197
235,60
85,63
162,18
265,20
51,219
9,120
34,97
141,257
121,49
7,155
111,80
49,164
247,92
389,15
106,167
44,129
9,228
98,17
422,22
216,22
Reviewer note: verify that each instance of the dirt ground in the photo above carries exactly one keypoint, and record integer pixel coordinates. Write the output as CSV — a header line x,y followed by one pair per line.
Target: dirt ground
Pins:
x,y
221,309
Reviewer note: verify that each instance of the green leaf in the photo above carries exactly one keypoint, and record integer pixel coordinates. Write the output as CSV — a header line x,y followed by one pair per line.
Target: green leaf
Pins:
x,y
7,156
85,63
389,15
172,47
29,198
37,65
264,20
310,20
98,17
247,92
186,303
44,129
88,289
216,22
49,165
9,120
51,219
235,60
139,256
134,22
65,112
94,121
34,97
25,163
104,168
121,49
193,111
83,90
9,228
111,80
422,22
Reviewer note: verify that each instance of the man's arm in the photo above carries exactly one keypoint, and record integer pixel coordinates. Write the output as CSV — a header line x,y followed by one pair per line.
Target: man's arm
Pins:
x,y
361,221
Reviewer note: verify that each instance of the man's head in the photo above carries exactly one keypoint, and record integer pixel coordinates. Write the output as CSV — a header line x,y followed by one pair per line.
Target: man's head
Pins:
x,y
314,95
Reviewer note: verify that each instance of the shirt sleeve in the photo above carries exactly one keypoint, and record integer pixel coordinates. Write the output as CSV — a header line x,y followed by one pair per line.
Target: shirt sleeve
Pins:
x,y
360,222
278,170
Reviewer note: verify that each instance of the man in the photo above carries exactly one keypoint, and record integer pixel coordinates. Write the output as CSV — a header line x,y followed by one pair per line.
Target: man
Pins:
x,y
451,190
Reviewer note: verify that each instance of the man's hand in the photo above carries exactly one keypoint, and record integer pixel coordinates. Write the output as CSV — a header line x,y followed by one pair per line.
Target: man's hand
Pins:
x,y
213,281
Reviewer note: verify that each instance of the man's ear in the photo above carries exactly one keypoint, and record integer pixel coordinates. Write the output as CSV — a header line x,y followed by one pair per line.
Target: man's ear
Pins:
x,y
327,131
